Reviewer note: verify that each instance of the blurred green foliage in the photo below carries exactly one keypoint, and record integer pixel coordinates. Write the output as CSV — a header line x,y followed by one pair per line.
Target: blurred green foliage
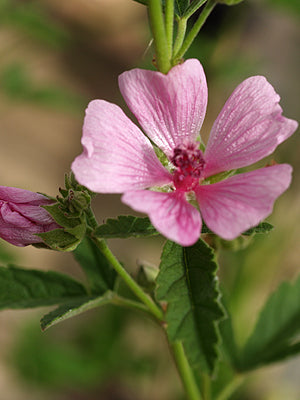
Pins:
x,y
33,20
18,84
88,355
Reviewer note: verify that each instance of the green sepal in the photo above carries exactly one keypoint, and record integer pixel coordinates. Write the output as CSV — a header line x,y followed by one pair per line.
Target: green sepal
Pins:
x,y
72,309
187,282
72,230
99,273
219,177
276,334
62,240
60,216
27,288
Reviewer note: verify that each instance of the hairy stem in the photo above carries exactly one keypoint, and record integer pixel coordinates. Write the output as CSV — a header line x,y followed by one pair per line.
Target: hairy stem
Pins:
x,y
185,372
169,21
181,29
159,36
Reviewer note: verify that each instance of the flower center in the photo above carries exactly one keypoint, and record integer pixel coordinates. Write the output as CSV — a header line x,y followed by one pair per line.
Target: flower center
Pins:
x,y
189,163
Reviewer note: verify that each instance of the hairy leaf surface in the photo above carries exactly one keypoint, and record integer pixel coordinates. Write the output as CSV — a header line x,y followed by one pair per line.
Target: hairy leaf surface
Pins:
x,y
187,282
25,288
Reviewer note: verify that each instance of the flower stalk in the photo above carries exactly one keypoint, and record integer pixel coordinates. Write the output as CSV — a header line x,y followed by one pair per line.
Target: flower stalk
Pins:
x,y
185,372
158,29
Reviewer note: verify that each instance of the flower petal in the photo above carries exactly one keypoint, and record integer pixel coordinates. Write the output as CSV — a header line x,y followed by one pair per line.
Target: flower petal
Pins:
x,y
170,214
170,108
16,195
234,205
117,155
249,127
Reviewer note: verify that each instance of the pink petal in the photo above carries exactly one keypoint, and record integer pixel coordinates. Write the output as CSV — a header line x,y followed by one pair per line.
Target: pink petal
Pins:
x,y
170,108
170,214
16,195
117,156
236,204
249,127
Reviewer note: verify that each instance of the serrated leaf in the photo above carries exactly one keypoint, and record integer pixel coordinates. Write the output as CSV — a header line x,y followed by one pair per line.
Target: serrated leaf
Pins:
x,y
72,309
25,288
100,275
126,226
187,282
263,227
274,336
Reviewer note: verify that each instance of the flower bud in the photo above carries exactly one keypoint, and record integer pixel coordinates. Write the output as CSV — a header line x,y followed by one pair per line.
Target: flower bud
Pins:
x,y
22,216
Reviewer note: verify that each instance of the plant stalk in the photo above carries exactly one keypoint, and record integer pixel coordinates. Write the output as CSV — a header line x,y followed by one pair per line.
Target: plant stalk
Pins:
x,y
159,36
185,372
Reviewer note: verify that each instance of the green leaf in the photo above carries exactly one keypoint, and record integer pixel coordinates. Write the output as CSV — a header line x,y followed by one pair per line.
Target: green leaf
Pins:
x,y
275,334
126,226
230,2
187,282
72,309
100,275
263,227
181,6
25,288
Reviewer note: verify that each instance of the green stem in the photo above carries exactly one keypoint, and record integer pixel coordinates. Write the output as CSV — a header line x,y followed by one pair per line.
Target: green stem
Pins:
x,y
185,372
206,387
159,36
137,290
169,21
195,30
231,387
181,29
122,301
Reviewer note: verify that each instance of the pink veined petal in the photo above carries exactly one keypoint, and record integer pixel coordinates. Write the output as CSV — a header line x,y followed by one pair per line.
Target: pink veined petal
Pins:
x,y
16,195
117,156
236,204
20,237
12,217
170,108
34,213
249,127
170,214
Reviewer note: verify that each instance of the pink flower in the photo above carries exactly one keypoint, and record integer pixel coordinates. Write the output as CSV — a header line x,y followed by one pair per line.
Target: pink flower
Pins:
x,y
22,217
119,158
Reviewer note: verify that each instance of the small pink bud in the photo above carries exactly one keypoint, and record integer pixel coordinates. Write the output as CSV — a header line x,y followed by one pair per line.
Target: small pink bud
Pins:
x,y
22,217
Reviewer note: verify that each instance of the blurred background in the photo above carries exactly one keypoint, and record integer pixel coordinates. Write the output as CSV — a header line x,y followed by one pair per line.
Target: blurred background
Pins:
x,y
56,56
